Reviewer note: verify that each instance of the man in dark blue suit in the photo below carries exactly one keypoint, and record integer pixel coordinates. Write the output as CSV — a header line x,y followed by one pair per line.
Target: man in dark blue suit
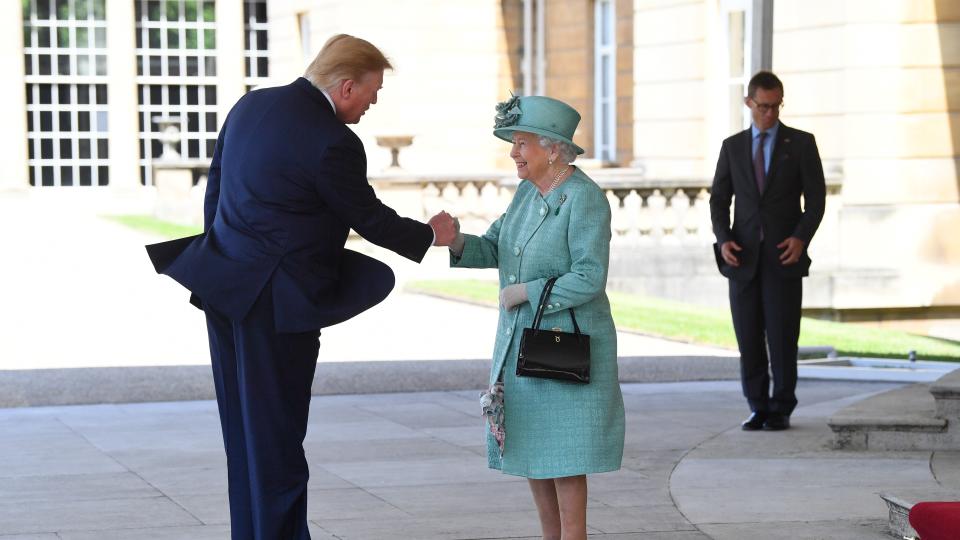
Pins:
x,y
286,185
768,167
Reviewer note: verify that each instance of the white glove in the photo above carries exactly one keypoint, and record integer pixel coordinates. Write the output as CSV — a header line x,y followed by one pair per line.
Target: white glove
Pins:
x,y
512,296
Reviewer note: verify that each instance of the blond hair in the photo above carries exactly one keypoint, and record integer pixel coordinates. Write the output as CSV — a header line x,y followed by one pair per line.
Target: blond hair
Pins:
x,y
344,57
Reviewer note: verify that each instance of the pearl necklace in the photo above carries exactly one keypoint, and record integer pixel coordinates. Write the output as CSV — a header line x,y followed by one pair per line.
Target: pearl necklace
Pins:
x,y
556,179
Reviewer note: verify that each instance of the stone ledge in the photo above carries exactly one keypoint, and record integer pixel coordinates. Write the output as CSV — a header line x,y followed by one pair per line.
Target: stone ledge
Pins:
x,y
909,401
52,387
946,392
900,502
947,385
900,419
906,422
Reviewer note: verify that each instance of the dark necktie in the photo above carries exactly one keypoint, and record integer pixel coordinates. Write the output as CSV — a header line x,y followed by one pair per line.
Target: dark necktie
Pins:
x,y
759,167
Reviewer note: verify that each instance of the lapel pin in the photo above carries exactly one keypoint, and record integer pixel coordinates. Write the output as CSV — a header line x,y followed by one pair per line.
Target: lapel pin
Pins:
x,y
563,199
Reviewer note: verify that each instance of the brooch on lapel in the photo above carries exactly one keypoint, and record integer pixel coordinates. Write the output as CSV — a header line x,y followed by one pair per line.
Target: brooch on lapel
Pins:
x,y
563,199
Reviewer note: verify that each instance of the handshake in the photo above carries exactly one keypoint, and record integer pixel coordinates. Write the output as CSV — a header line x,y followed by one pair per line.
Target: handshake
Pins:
x,y
446,228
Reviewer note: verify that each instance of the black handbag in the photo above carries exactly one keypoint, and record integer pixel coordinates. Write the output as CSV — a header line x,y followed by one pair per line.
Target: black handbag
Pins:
x,y
550,354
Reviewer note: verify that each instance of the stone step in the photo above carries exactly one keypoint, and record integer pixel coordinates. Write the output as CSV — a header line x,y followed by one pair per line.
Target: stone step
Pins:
x,y
900,419
946,392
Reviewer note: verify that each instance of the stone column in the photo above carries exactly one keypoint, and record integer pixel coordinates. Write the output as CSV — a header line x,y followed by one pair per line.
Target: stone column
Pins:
x,y
124,131
876,83
13,136
674,120
901,205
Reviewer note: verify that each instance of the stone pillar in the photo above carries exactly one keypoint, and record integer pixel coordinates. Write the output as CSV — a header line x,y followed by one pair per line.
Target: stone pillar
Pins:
x,y
676,51
124,133
625,71
900,133
230,74
569,57
178,201
13,136
877,83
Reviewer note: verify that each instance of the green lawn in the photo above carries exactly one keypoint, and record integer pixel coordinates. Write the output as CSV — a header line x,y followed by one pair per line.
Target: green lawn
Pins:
x,y
711,326
152,225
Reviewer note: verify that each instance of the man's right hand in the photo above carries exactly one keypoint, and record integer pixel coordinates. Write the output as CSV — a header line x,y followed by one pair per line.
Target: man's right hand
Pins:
x,y
444,228
727,250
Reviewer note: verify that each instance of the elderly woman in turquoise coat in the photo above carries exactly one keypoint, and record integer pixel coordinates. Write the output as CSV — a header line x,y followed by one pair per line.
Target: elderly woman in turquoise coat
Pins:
x,y
552,432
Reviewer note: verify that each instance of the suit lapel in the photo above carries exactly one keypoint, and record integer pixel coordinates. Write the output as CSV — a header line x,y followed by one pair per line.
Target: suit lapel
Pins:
x,y
781,150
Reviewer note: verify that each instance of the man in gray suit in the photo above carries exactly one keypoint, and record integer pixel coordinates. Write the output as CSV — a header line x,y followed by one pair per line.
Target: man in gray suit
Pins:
x,y
768,167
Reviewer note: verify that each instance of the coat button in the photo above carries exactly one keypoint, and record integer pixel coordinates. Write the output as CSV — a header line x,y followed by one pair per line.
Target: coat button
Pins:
x,y
512,278
557,305
516,251
549,306
509,331
543,211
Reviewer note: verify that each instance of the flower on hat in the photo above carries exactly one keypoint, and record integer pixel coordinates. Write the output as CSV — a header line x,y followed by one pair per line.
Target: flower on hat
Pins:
x,y
508,112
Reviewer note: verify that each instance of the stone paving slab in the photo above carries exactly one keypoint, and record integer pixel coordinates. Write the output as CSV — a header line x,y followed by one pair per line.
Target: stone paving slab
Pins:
x,y
841,529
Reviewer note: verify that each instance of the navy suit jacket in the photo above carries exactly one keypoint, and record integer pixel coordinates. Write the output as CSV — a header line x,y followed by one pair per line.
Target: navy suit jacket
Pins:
x,y
286,184
795,170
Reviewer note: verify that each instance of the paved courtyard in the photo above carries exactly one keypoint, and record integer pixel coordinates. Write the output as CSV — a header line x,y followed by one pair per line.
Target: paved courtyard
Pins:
x,y
410,465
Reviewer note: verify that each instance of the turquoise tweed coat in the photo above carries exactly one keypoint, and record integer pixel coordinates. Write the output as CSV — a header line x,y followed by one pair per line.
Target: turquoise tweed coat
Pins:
x,y
554,428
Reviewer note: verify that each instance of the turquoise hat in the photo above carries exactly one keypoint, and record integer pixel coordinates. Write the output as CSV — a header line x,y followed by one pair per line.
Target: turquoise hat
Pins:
x,y
539,115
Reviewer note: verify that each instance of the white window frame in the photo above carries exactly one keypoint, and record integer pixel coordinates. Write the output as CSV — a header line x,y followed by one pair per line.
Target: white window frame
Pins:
x,y
253,53
205,82
605,80
729,100
303,24
65,163
533,65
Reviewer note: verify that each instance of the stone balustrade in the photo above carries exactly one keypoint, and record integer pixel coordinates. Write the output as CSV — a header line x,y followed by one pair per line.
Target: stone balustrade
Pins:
x,y
644,211
662,234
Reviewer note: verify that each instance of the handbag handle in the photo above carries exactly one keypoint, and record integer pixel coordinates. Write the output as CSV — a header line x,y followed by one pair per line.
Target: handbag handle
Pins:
x,y
543,299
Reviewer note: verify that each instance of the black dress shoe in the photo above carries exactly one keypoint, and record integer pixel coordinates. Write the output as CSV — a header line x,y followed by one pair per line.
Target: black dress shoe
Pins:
x,y
754,422
776,422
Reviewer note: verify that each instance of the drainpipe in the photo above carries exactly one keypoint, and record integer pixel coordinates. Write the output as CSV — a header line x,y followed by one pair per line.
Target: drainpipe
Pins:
x,y
527,63
761,55
541,48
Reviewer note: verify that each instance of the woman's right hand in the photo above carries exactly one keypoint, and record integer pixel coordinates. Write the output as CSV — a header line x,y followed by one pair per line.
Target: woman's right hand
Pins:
x,y
512,296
